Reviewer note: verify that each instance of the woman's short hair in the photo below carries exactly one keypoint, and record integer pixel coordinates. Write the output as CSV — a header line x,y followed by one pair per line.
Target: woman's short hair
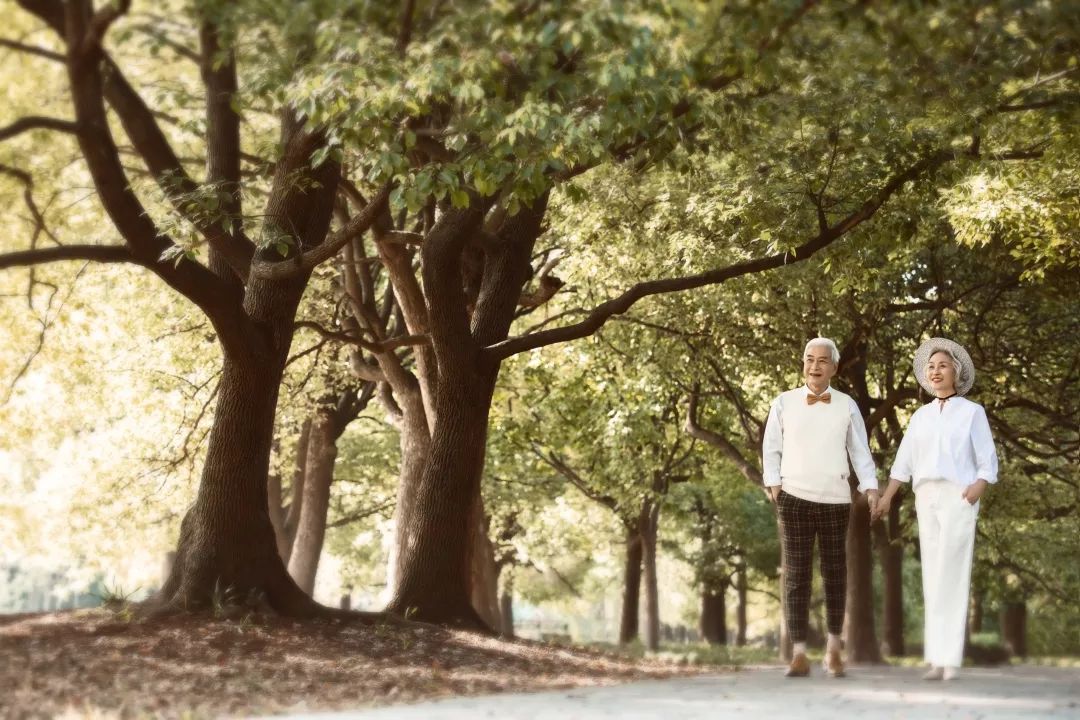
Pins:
x,y
825,343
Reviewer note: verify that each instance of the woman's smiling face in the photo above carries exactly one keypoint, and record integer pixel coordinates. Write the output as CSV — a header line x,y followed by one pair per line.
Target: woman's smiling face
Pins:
x,y
941,373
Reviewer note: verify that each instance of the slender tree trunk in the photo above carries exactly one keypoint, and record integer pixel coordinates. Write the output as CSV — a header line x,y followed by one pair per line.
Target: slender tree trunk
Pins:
x,y
652,594
506,608
862,645
311,529
891,557
629,623
484,581
415,443
713,615
1014,627
783,636
740,612
977,610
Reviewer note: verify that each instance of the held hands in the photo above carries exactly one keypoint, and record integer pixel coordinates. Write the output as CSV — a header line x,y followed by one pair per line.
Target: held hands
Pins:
x,y
873,500
880,508
973,492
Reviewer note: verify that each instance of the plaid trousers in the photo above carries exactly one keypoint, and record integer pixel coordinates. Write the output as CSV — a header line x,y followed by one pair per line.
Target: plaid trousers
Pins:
x,y
800,522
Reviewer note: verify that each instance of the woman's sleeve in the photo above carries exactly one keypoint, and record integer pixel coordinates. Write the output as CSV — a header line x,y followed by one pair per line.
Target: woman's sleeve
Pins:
x,y
902,467
986,460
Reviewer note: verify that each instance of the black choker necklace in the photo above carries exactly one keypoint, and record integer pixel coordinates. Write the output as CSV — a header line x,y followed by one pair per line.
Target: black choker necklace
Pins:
x,y
946,397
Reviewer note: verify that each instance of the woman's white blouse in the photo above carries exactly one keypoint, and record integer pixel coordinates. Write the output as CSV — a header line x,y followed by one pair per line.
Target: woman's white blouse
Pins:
x,y
952,444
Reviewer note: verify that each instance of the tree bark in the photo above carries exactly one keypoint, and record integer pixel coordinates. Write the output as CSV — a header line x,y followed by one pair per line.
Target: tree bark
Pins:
x,y
713,623
891,557
434,584
415,443
862,645
1014,627
227,552
629,622
311,530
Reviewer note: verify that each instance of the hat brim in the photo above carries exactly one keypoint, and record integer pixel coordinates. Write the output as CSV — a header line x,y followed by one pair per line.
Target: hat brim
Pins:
x,y
922,358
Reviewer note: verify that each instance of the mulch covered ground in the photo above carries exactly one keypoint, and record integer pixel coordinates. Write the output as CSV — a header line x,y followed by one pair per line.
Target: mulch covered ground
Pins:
x,y
103,664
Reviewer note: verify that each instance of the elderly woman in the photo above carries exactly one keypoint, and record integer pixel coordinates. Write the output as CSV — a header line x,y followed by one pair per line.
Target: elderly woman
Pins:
x,y
949,454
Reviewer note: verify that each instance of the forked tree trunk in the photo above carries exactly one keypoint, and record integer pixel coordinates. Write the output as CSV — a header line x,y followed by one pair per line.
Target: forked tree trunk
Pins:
x,y
629,621
434,584
713,623
862,645
311,530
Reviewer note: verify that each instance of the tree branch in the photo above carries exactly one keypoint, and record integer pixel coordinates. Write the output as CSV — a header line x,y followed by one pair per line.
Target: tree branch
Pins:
x,y
38,122
619,305
95,253
695,430
307,261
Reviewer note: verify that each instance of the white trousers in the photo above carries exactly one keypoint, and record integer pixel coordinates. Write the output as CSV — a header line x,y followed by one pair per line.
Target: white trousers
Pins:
x,y
946,542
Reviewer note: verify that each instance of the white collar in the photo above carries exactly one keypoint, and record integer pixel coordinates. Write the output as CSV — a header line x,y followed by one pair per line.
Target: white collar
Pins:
x,y
807,391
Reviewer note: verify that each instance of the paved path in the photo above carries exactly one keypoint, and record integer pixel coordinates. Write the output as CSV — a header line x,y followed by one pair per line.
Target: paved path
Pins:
x,y
871,692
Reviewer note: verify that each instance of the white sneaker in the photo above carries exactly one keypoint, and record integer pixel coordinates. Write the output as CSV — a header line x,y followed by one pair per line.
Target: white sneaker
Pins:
x,y
950,673
934,673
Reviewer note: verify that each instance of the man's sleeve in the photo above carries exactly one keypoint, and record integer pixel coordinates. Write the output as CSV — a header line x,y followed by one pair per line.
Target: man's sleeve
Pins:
x,y
858,448
771,446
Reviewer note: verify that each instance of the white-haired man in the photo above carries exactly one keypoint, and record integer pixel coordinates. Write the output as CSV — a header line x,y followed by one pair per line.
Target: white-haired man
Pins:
x,y
810,435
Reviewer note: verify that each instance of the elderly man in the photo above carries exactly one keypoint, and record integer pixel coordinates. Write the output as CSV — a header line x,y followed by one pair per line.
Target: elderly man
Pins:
x,y
811,433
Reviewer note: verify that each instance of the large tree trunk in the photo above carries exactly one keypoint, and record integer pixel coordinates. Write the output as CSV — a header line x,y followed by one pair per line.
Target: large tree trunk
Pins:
x,y
435,581
227,548
227,551
740,612
713,623
629,622
652,594
862,645
891,557
311,530
1014,627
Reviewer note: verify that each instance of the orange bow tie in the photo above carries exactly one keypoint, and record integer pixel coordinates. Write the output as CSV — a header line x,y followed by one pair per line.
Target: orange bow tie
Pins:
x,y
823,397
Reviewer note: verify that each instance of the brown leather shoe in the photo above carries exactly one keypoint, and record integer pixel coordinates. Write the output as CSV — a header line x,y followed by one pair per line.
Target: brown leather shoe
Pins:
x,y
800,667
834,664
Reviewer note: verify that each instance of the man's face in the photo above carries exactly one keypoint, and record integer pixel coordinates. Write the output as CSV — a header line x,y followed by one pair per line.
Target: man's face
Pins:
x,y
818,367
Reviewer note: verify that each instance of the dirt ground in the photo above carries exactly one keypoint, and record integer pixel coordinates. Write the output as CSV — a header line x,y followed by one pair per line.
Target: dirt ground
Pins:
x,y
104,664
